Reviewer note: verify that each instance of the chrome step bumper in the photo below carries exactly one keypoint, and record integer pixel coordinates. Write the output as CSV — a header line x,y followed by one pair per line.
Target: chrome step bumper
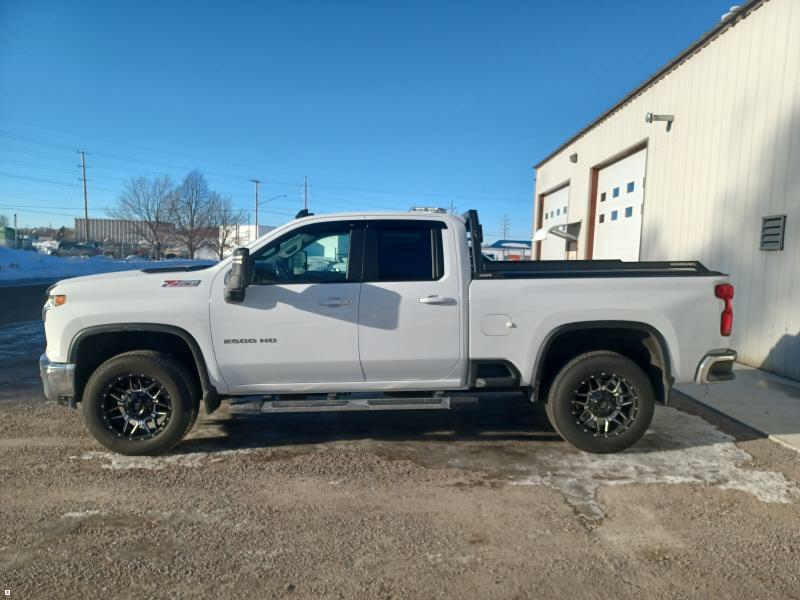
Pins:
x,y
58,380
716,366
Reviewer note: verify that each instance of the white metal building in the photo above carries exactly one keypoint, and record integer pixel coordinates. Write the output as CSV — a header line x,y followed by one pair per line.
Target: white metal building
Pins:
x,y
712,175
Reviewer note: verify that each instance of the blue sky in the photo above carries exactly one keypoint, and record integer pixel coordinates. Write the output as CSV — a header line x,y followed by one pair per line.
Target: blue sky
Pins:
x,y
383,105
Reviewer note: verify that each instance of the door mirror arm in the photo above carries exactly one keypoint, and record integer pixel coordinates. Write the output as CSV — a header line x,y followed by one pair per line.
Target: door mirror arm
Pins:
x,y
240,276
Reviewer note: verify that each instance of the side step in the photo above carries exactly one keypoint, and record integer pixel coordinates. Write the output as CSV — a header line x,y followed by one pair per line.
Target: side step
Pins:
x,y
272,404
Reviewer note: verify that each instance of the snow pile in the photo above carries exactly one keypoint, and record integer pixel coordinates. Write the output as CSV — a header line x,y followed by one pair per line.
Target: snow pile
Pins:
x,y
18,265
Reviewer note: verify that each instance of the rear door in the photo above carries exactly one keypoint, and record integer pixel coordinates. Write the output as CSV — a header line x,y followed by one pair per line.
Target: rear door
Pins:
x,y
410,306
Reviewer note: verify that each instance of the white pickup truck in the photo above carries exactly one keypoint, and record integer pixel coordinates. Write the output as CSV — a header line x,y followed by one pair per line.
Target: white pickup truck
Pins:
x,y
382,311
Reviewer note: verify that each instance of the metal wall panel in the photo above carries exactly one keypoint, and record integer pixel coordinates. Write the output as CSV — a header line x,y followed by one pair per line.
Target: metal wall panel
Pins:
x,y
732,157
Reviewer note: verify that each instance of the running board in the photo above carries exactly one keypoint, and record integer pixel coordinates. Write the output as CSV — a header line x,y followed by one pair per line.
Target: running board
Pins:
x,y
270,405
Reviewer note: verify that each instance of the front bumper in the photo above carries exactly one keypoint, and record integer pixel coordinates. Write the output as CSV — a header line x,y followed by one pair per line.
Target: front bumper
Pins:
x,y
716,366
58,380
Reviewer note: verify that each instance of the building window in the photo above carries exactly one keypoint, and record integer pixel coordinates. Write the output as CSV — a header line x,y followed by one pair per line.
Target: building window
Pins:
x,y
565,210
558,211
613,215
630,187
615,192
602,219
603,197
628,212
545,216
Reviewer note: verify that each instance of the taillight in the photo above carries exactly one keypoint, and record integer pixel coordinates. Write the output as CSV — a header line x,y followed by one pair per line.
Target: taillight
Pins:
x,y
724,292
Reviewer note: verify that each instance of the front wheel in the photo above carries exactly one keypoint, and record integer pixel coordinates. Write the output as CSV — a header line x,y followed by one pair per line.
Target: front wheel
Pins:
x,y
140,402
601,402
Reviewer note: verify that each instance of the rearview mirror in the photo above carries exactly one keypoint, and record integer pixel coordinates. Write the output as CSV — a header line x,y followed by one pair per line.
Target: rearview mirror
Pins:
x,y
239,277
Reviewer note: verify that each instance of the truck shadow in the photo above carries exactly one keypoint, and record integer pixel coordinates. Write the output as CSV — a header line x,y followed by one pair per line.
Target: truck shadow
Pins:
x,y
510,419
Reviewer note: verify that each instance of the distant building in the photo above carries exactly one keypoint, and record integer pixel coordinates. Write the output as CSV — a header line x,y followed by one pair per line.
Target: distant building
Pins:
x,y
244,234
509,250
109,230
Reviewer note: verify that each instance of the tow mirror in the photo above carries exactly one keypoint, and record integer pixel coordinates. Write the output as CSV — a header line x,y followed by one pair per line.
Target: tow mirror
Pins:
x,y
239,276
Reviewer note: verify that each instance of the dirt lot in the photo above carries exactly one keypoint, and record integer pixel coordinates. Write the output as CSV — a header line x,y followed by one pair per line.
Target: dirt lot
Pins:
x,y
481,503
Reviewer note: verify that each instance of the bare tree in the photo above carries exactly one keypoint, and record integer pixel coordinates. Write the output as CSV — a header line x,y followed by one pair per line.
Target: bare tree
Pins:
x,y
192,206
147,202
224,219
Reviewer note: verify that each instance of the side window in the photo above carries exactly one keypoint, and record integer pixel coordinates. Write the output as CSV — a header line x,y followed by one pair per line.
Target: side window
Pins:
x,y
308,255
407,254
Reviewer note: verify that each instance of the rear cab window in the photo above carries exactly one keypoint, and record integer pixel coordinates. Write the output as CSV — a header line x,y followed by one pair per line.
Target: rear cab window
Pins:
x,y
404,250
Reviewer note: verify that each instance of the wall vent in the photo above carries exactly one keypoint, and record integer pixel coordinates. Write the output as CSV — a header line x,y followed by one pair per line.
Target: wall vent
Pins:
x,y
772,229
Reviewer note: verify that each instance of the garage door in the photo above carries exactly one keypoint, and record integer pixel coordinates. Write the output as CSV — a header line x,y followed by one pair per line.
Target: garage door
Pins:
x,y
554,212
618,212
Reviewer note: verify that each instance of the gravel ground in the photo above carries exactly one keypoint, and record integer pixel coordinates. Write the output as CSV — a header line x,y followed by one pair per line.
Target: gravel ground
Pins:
x,y
480,503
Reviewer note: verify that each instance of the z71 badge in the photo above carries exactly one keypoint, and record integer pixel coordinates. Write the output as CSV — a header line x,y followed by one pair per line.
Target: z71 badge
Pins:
x,y
181,283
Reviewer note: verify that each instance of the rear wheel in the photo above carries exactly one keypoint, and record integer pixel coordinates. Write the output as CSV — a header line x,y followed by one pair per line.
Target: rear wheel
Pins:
x,y
140,402
601,402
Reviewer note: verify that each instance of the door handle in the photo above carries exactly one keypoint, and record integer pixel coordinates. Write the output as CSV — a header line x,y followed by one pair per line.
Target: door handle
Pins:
x,y
335,302
437,300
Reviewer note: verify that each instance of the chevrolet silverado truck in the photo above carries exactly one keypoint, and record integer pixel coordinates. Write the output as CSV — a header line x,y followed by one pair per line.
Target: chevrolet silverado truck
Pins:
x,y
383,311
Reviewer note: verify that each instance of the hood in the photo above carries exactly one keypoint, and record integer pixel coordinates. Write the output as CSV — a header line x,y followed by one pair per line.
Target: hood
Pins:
x,y
150,275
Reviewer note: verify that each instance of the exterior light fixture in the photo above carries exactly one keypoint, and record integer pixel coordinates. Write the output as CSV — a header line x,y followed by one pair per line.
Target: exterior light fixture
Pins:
x,y
651,118
573,158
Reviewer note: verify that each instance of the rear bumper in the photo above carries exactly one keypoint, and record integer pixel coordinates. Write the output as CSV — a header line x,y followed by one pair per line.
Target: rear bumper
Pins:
x,y
715,367
58,380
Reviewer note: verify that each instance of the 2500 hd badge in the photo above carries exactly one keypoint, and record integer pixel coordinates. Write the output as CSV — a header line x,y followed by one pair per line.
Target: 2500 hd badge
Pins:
x,y
251,341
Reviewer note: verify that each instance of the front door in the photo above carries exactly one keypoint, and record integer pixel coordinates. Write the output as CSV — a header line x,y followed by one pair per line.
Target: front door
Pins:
x,y
409,325
298,322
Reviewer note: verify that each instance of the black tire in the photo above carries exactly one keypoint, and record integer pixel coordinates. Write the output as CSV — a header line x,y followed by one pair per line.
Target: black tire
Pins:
x,y
174,386
600,420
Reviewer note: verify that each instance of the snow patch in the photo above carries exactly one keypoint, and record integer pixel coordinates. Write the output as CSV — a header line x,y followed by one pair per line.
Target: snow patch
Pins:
x,y
84,514
678,449
17,265
118,462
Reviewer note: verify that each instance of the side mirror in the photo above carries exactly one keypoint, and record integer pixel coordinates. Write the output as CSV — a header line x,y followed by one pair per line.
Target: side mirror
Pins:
x,y
239,277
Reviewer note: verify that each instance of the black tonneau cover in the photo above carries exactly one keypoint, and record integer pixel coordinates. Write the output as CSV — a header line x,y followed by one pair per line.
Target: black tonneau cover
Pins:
x,y
551,269
538,269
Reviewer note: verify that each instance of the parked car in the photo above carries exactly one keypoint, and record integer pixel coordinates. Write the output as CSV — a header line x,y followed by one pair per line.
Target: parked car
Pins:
x,y
417,320
75,249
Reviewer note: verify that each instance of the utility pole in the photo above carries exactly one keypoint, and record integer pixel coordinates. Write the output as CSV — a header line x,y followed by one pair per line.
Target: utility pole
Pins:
x,y
305,193
256,181
16,234
505,232
85,198
452,208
